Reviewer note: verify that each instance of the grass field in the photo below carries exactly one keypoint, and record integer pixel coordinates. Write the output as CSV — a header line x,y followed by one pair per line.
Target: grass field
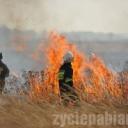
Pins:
x,y
18,112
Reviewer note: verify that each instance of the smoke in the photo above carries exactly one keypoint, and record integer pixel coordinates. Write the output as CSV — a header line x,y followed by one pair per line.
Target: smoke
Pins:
x,y
23,50
18,47
65,15
22,14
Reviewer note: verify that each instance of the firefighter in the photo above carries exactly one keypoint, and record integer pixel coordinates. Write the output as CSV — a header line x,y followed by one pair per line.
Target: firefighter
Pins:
x,y
4,72
65,76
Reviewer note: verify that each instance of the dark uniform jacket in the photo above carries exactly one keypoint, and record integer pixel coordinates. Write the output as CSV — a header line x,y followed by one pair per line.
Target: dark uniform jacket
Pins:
x,y
65,77
4,71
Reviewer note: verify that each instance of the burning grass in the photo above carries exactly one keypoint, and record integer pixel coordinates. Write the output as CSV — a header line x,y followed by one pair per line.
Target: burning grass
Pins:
x,y
92,79
36,104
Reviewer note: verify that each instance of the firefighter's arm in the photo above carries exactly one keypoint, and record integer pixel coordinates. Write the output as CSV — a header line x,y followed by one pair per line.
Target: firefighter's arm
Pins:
x,y
1,70
6,70
61,74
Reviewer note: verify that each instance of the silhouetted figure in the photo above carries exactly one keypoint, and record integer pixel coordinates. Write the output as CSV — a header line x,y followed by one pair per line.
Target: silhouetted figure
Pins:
x,y
65,75
4,72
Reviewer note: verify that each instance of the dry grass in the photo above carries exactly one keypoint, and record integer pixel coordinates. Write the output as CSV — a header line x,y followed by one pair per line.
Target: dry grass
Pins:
x,y
21,113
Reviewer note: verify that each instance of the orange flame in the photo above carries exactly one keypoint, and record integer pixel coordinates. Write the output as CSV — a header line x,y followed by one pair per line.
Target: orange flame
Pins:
x,y
90,76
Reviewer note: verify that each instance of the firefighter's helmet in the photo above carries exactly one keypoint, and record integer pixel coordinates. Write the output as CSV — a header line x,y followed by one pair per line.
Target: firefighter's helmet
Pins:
x,y
68,57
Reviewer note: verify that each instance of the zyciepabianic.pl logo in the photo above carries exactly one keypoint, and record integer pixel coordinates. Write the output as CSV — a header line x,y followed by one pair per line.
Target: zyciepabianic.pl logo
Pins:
x,y
91,119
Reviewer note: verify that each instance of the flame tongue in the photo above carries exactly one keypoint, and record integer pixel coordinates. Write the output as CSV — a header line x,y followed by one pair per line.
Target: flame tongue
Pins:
x,y
89,76
58,46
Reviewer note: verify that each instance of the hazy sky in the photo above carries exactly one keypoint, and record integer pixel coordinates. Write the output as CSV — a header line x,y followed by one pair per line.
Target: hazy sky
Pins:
x,y
66,15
